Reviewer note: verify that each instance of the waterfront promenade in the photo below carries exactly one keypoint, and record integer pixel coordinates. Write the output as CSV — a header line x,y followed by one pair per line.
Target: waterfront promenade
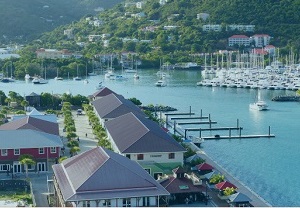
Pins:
x,y
256,200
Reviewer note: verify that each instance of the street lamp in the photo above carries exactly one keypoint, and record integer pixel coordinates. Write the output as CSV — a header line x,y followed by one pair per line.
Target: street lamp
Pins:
x,y
206,195
12,171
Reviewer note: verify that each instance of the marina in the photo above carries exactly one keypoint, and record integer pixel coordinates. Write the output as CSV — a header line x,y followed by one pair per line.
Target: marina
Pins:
x,y
239,157
177,129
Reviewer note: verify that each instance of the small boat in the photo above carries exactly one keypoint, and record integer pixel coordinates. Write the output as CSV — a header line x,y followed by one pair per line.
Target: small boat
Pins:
x,y
136,76
99,86
160,83
77,78
259,105
58,78
39,80
27,76
85,81
120,77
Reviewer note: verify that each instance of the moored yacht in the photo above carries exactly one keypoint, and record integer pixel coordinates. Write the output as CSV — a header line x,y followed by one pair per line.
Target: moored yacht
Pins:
x,y
160,83
259,105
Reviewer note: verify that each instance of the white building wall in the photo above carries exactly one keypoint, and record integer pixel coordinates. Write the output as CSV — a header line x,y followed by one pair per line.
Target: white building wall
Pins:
x,y
159,157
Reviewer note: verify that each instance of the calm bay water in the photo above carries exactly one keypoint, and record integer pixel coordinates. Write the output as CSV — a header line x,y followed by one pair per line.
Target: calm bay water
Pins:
x,y
270,167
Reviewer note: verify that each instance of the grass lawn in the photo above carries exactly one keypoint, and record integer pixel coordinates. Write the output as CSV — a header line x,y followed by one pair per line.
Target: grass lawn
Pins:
x,y
16,196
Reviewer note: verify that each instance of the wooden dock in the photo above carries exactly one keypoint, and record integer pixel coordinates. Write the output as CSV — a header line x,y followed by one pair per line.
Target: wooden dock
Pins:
x,y
199,122
189,118
239,137
176,127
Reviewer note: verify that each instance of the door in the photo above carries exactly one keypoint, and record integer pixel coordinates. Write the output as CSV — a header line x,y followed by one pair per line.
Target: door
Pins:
x,y
17,168
41,167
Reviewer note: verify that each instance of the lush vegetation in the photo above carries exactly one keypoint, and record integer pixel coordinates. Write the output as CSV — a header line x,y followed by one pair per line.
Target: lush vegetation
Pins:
x,y
25,20
184,43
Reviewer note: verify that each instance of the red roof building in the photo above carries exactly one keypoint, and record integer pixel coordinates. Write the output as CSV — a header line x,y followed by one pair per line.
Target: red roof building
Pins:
x,y
225,184
239,40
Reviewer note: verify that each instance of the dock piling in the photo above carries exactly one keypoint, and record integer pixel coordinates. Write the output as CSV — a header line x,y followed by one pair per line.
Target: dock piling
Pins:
x,y
229,133
269,130
237,123
201,113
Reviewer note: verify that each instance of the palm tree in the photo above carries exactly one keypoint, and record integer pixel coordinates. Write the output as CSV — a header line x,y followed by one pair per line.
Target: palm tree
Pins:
x,y
26,160
24,103
74,150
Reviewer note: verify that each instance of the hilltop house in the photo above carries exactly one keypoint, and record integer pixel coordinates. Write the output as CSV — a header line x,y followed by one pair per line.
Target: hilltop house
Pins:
x,y
261,40
112,106
144,141
239,40
106,179
44,147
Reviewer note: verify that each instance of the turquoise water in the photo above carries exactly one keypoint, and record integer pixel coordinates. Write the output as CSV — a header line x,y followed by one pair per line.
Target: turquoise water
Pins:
x,y
270,167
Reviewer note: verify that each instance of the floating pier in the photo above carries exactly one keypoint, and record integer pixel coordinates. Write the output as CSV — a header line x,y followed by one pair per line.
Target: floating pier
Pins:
x,y
171,122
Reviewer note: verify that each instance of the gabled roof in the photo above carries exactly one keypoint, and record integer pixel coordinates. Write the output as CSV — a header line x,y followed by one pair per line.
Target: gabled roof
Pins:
x,y
225,184
29,122
180,185
238,197
204,166
33,94
28,138
48,117
34,112
178,170
136,134
209,175
193,157
103,92
239,36
104,175
113,105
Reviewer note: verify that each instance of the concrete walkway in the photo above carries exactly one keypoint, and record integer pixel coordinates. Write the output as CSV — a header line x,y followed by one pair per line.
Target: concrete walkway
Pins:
x,y
84,131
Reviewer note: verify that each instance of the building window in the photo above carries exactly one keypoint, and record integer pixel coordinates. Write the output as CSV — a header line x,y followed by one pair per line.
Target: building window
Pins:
x,y
140,157
3,152
41,151
128,156
148,170
16,151
126,202
4,167
107,203
171,155
30,167
53,149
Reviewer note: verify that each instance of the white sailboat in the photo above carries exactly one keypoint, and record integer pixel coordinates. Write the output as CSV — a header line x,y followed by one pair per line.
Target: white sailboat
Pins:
x,y
136,75
57,77
86,81
40,80
259,105
77,78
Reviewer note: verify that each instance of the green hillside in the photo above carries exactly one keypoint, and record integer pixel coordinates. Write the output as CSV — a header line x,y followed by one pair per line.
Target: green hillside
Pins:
x,y
27,19
183,40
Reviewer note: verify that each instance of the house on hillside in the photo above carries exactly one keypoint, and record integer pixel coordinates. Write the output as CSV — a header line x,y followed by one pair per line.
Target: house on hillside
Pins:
x,y
239,40
144,141
102,178
44,147
34,123
112,106
261,40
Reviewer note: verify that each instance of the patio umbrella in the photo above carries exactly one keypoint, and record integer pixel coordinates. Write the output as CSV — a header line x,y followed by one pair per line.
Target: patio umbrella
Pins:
x,y
225,184
238,198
